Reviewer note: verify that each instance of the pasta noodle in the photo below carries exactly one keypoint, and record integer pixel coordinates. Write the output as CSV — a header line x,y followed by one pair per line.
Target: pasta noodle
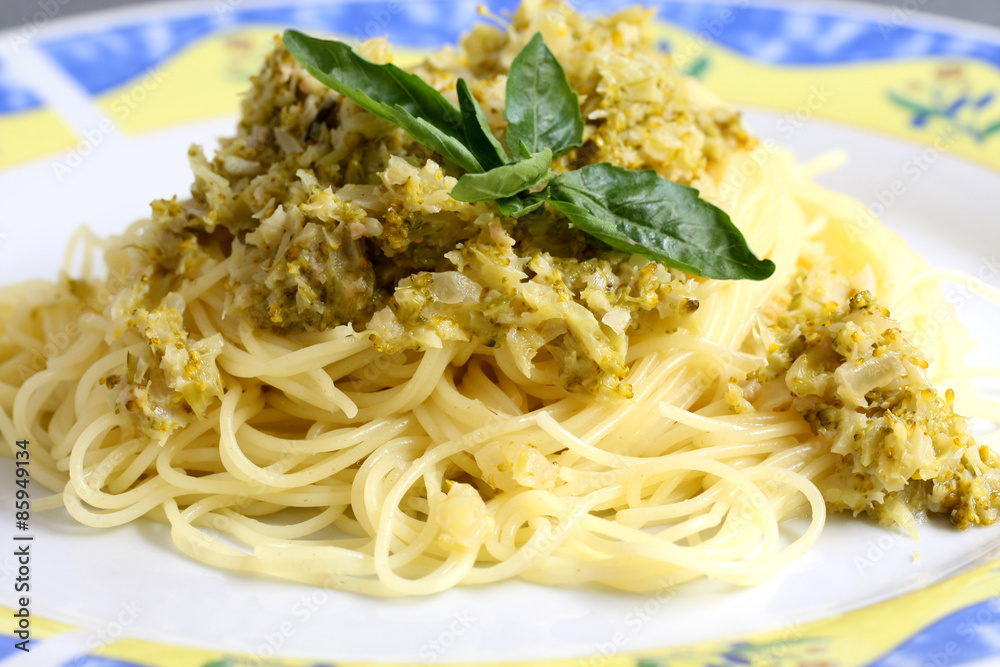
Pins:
x,y
324,460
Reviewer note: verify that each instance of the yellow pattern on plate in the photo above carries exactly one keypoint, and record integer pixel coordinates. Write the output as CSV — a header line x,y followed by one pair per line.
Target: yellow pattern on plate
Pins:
x,y
30,134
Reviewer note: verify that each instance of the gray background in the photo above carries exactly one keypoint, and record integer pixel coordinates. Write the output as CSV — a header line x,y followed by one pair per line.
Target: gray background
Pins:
x,y
17,12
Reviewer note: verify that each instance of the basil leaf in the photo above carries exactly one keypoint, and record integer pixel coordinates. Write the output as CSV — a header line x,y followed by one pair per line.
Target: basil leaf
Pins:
x,y
388,92
478,135
522,204
541,109
505,181
641,213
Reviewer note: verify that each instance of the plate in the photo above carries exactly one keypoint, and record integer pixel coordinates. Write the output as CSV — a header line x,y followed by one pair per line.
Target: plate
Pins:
x,y
95,113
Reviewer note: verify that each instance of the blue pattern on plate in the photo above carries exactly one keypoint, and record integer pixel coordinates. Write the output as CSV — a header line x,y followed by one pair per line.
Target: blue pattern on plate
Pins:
x,y
7,649
15,97
104,59
98,661
968,634
795,35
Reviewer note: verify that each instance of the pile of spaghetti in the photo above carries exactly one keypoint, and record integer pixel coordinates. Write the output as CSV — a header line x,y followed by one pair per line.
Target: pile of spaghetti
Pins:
x,y
323,367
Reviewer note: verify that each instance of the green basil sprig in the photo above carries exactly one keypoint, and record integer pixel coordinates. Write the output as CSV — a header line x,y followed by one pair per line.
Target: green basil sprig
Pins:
x,y
634,211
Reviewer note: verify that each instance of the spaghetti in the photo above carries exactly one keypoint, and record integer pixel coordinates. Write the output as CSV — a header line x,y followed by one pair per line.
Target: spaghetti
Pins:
x,y
614,427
